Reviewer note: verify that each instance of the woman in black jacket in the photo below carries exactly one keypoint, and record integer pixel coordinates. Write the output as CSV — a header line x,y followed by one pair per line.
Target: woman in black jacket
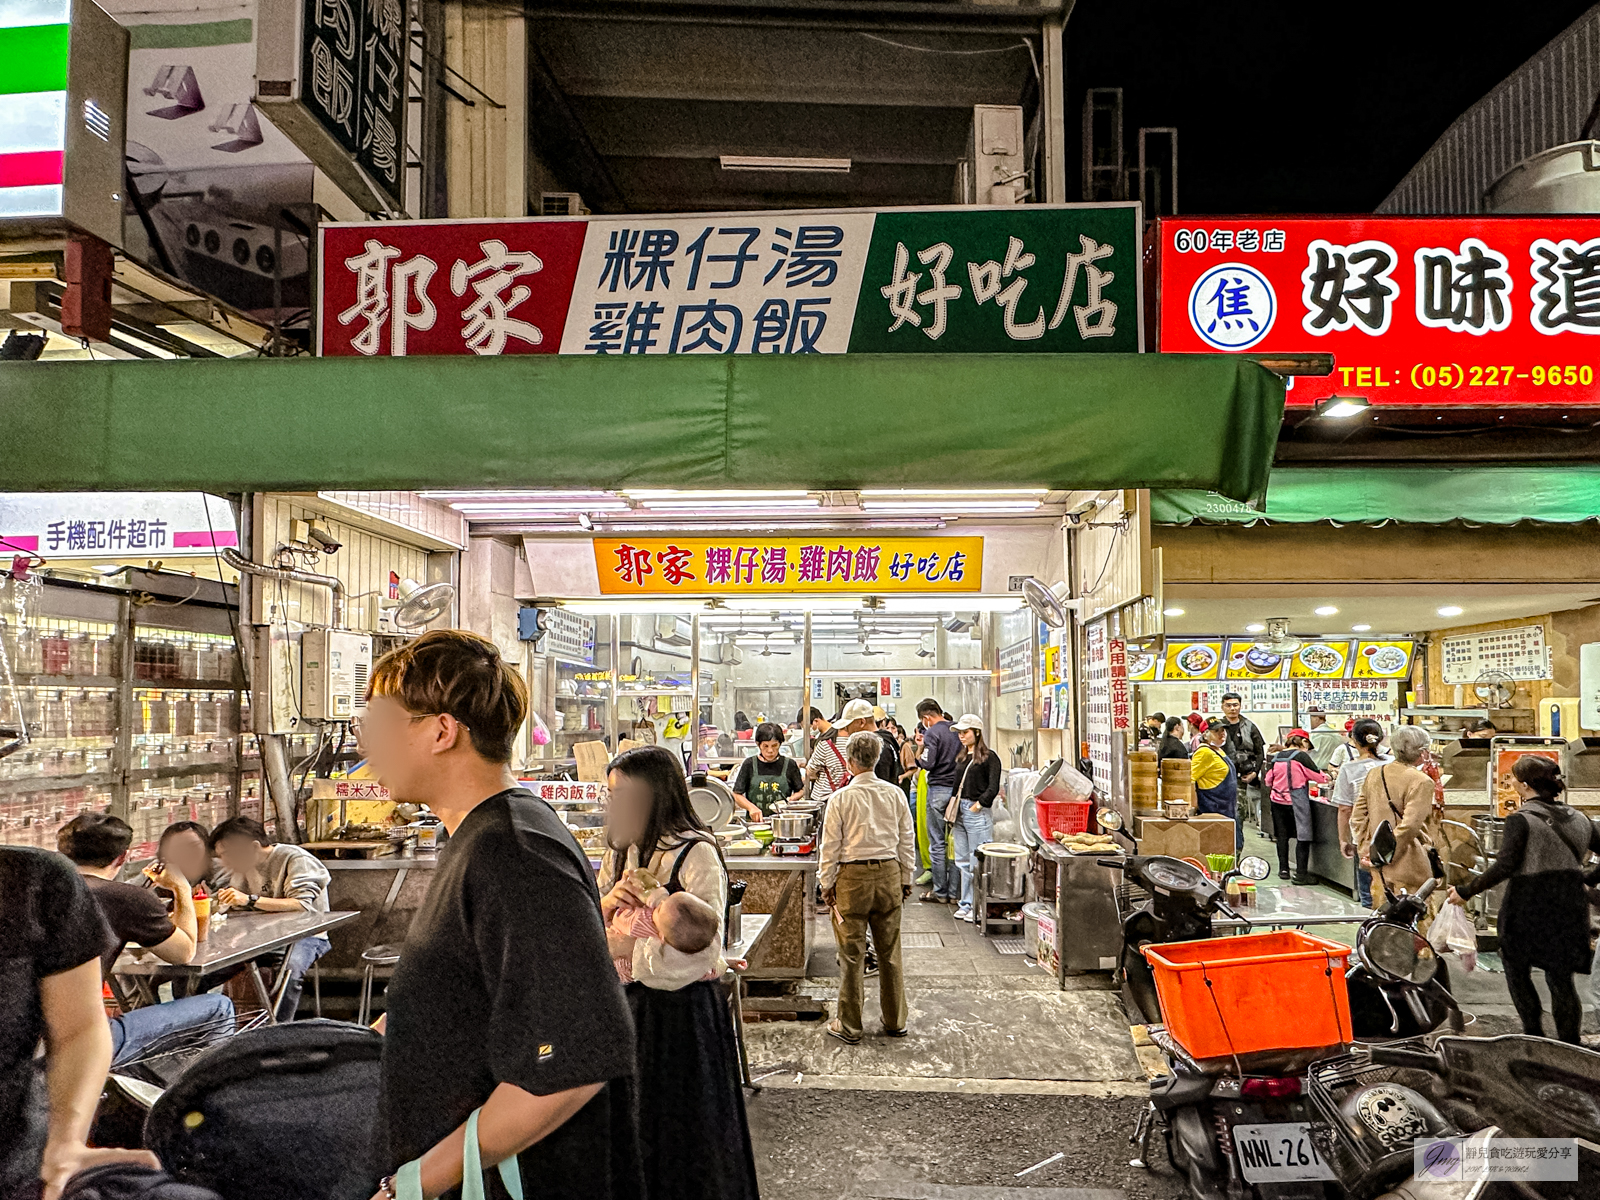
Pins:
x,y
977,784
1544,919
1171,743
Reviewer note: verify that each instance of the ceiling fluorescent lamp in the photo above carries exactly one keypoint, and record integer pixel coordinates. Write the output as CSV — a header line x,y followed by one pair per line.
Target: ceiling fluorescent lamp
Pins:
x,y
536,509
949,603
761,162
709,494
755,504
624,607
514,496
942,493
935,505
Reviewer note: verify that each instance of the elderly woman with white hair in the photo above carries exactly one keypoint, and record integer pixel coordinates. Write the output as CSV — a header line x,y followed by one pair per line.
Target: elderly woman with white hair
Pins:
x,y
1398,792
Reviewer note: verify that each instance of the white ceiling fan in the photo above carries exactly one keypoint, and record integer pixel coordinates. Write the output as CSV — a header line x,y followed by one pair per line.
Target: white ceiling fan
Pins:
x,y
1278,639
766,650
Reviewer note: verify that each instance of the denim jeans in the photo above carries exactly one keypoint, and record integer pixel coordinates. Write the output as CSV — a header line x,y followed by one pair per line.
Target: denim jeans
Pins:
x,y
972,831
944,877
297,962
136,1032
1364,885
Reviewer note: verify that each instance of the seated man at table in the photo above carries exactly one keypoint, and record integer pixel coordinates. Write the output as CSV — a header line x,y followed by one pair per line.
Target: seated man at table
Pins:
x,y
98,846
258,875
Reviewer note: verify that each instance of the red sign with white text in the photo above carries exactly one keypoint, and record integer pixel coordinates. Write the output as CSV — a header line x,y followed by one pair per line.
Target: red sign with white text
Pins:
x,y
1482,311
502,287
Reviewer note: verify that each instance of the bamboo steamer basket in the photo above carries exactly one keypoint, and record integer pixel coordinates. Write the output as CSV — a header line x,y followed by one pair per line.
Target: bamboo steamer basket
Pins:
x,y
1176,781
1144,791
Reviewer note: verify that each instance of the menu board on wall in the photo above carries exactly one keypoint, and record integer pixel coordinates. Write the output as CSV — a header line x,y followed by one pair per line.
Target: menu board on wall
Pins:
x,y
1016,667
1358,697
1143,665
1246,660
1320,660
1520,652
1382,660
1097,704
1192,660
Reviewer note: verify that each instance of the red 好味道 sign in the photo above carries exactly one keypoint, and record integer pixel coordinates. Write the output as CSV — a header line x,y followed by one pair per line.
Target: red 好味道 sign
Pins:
x,y
1416,311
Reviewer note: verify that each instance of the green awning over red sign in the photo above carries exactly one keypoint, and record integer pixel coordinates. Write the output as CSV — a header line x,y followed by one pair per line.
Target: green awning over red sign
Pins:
x,y
1410,495
686,421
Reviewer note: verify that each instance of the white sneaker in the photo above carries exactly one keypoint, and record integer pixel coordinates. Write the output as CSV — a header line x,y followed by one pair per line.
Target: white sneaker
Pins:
x,y
964,914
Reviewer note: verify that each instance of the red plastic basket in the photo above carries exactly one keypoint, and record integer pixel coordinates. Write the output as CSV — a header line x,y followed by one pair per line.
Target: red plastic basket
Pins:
x,y
1062,816
1263,991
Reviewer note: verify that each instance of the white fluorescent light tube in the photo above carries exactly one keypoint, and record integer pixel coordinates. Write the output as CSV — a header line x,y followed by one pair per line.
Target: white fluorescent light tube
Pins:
x,y
643,604
536,509
760,162
947,603
710,494
942,492
934,505
742,502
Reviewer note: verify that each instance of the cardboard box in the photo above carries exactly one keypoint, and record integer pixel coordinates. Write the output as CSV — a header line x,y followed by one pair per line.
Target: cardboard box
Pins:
x,y
1206,833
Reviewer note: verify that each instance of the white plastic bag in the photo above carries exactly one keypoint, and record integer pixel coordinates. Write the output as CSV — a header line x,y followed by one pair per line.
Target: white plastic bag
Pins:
x,y
1453,933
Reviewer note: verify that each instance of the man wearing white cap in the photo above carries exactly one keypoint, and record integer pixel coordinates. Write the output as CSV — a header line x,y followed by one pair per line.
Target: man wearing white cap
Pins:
x,y
826,769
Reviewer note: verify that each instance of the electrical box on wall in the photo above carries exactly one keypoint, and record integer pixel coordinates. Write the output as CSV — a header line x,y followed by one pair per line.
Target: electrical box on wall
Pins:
x,y
334,666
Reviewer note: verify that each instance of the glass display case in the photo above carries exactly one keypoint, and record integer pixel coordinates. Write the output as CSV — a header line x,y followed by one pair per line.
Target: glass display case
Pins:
x,y
133,705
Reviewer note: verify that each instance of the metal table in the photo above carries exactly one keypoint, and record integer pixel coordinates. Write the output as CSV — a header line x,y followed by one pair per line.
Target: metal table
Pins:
x,y
1298,908
241,939
752,929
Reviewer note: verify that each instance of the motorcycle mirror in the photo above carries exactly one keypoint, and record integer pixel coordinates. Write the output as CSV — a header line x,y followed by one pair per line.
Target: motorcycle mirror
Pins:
x,y
1109,819
1383,845
1254,867
1399,953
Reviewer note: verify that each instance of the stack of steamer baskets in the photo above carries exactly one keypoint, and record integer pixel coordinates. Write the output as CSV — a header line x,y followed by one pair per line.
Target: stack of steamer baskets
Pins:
x,y
1176,782
1143,789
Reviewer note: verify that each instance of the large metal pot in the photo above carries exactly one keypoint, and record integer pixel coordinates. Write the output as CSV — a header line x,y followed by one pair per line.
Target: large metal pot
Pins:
x,y
1059,782
1005,870
788,826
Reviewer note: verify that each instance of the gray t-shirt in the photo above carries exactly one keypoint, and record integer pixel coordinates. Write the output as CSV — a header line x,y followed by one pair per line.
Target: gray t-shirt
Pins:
x,y
289,873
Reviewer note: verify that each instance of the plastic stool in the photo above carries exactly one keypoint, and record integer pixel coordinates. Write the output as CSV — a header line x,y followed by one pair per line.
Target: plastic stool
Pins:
x,y
372,958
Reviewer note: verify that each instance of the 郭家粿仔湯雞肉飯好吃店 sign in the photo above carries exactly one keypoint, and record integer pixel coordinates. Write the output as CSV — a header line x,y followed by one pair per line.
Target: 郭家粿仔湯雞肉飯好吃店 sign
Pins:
x,y
1051,278
1415,310
739,566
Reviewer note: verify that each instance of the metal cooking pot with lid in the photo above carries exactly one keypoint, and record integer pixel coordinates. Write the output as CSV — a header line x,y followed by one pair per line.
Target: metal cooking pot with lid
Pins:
x,y
790,826
1491,831
1005,869
1060,782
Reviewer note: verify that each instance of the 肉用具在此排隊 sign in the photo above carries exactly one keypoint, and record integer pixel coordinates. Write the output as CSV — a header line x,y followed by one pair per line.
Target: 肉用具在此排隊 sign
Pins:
x,y
737,566
1415,310
1057,278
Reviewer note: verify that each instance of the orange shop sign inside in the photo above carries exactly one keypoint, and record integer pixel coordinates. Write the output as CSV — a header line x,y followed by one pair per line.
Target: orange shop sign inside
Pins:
x,y
756,566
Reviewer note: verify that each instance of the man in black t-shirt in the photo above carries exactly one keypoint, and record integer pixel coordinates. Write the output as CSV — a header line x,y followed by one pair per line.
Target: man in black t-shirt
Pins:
x,y
51,938
97,844
505,997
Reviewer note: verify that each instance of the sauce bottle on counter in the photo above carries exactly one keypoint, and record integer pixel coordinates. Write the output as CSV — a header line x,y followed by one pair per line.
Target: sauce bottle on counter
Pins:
x,y
202,913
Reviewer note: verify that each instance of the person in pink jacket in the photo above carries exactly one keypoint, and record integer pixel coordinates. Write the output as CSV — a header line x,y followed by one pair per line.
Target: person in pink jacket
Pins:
x,y
1289,780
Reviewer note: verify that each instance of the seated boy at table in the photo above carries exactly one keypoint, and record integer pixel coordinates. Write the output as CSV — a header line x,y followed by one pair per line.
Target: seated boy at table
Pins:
x,y
257,875
671,937
97,844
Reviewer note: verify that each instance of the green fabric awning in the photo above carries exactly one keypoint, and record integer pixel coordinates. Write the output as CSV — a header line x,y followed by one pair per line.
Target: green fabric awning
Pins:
x,y
688,421
1413,495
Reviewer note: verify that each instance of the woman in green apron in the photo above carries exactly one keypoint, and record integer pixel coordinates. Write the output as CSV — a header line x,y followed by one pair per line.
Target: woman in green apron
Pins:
x,y
769,777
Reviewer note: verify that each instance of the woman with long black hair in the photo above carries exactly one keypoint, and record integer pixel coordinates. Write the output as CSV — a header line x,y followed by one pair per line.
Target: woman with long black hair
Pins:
x,y
1544,918
691,1112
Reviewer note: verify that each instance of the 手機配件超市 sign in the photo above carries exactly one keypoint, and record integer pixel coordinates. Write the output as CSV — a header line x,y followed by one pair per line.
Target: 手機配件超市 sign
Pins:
x,y
1032,277
750,566
1415,310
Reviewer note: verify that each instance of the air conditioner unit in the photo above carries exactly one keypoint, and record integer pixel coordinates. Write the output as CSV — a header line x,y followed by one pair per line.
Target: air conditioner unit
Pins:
x,y
732,655
672,630
561,204
334,667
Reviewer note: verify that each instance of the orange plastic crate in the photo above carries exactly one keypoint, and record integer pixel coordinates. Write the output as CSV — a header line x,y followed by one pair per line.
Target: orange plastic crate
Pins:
x,y
1262,991
1062,816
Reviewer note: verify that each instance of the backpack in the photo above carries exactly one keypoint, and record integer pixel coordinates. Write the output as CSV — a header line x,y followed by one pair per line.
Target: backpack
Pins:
x,y
274,1113
128,1181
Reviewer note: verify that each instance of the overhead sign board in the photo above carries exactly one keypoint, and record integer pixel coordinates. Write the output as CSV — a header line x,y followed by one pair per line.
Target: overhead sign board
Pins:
x,y
63,72
1054,278
750,566
1415,310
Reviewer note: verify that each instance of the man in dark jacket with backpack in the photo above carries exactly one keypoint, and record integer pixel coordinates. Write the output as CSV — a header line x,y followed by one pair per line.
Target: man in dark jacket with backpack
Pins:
x,y
1247,748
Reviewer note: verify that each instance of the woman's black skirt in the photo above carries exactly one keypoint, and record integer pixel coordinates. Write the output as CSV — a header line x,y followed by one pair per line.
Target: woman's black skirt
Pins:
x,y
1544,921
692,1122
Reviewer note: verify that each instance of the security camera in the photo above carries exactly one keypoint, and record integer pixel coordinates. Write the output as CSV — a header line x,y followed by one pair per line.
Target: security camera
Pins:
x,y
321,537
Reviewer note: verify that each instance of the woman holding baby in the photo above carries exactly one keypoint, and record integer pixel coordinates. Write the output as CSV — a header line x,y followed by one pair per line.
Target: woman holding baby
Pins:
x,y
664,895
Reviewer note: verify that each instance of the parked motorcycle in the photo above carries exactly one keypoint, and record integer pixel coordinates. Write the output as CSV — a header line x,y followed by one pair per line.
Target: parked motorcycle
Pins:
x,y
1241,1127
1375,1103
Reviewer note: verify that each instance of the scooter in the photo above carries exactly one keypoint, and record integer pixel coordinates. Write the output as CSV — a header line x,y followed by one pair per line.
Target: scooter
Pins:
x,y
1241,1127
1374,1105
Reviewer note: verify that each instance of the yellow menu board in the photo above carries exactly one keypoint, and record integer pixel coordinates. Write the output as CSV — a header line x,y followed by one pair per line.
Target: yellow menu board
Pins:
x,y
1382,660
1143,665
1192,660
1245,660
1320,660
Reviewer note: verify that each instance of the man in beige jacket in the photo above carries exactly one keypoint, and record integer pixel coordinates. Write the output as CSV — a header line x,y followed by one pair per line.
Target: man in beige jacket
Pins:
x,y
868,854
